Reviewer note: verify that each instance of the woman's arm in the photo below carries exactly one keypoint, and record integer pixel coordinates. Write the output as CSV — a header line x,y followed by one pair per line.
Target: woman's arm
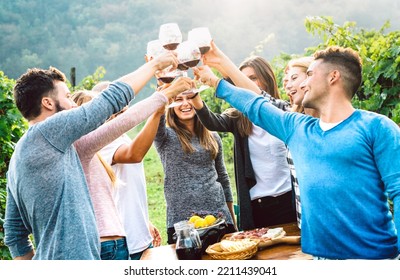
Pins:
x,y
105,134
212,121
217,59
140,145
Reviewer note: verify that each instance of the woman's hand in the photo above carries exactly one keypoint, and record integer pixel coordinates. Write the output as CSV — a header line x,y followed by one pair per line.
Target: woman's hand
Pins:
x,y
167,59
205,75
215,58
178,86
196,101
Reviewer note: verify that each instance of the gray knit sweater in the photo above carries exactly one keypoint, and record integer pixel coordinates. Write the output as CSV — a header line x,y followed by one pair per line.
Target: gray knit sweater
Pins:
x,y
47,193
193,182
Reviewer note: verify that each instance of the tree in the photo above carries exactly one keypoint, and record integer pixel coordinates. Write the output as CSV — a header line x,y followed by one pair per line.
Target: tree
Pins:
x,y
379,51
12,126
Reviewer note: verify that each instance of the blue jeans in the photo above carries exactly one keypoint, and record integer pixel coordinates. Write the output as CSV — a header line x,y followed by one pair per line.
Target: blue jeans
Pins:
x,y
138,255
114,250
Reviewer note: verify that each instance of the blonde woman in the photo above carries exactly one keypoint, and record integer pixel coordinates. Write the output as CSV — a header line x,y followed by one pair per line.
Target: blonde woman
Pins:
x,y
296,73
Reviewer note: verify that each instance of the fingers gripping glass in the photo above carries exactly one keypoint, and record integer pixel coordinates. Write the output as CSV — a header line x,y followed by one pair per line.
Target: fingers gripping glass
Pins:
x,y
190,94
155,49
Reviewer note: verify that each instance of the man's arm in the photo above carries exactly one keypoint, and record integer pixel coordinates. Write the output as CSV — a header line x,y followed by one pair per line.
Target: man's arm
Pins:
x,y
64,128
16,234
27,256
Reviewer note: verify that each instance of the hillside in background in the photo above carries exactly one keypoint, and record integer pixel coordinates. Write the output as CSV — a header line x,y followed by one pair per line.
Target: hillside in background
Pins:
x,y
113,34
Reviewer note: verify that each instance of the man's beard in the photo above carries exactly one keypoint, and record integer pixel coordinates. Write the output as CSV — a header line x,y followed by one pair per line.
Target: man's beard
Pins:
x,y
59,108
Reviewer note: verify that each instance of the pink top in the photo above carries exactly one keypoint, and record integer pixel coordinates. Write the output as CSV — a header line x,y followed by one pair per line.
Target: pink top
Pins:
x,y
100,187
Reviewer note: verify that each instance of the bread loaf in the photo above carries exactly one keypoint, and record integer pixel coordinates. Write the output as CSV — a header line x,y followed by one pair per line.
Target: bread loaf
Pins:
x,y
237,245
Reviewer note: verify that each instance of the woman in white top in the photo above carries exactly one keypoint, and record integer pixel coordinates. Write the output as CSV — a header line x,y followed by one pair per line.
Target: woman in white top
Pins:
x,y
261,170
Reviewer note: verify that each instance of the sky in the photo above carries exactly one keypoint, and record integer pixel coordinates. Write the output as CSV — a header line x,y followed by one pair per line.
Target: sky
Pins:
x,y
244,23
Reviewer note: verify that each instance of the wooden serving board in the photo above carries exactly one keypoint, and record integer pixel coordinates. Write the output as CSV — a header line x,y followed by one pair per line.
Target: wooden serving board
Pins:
x,y
279,240
263,243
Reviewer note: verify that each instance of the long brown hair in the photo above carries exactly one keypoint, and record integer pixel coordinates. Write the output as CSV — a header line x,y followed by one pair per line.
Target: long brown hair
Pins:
x,y
80,97
206,139
266,76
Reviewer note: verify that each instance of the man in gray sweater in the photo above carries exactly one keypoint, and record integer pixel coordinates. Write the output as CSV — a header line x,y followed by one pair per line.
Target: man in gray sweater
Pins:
x,y
47,193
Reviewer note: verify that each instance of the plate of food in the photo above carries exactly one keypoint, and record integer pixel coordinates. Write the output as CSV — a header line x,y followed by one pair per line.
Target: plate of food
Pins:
x,y
265,236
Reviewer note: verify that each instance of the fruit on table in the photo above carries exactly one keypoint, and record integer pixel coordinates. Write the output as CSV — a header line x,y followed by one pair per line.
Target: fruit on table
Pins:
x,y
200,222
210,219
193,219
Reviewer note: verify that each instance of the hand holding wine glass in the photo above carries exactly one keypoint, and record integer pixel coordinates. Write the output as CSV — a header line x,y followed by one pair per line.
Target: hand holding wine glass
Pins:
x,y
164,60
215,58
205,75
154,49
180,85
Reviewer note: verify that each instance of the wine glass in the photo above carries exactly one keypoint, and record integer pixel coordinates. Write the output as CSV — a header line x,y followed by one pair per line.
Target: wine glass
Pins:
x,y
154,49
188,55
170,36
202,37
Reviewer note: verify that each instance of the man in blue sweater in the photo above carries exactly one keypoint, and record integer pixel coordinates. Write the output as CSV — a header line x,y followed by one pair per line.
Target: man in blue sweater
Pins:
x,y
47,193
346,161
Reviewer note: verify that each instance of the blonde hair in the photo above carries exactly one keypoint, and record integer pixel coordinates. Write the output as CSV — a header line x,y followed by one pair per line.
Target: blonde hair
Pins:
x,y
206,139
81,97
303,63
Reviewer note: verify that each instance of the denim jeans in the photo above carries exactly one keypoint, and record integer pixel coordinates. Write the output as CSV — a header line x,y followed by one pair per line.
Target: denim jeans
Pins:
x,y
114,250
138,255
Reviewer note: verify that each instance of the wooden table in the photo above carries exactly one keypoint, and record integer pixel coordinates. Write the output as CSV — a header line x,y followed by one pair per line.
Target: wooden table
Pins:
x,y
275,252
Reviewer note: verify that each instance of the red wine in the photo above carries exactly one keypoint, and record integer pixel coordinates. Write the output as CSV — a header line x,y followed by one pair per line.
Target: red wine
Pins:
x,y
182,66
205,49
166,80
189,253
171,46
192,63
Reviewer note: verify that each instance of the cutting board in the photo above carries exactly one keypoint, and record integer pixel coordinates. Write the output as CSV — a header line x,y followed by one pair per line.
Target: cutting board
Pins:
x,y
274,241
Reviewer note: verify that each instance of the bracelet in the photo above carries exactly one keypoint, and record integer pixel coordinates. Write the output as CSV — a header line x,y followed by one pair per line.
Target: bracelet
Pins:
x,y
217,83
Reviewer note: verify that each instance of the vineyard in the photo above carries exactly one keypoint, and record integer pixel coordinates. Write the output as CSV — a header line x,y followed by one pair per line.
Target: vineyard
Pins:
x,y
380,90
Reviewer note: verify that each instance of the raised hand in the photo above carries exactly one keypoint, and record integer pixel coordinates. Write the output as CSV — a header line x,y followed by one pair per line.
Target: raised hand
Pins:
x,y
215,58
196,101
167,59
205,75
178,86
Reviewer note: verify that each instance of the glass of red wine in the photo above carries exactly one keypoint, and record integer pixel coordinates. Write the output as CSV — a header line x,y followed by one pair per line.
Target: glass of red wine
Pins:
x,y
170,36
188,55
154,49
202,37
